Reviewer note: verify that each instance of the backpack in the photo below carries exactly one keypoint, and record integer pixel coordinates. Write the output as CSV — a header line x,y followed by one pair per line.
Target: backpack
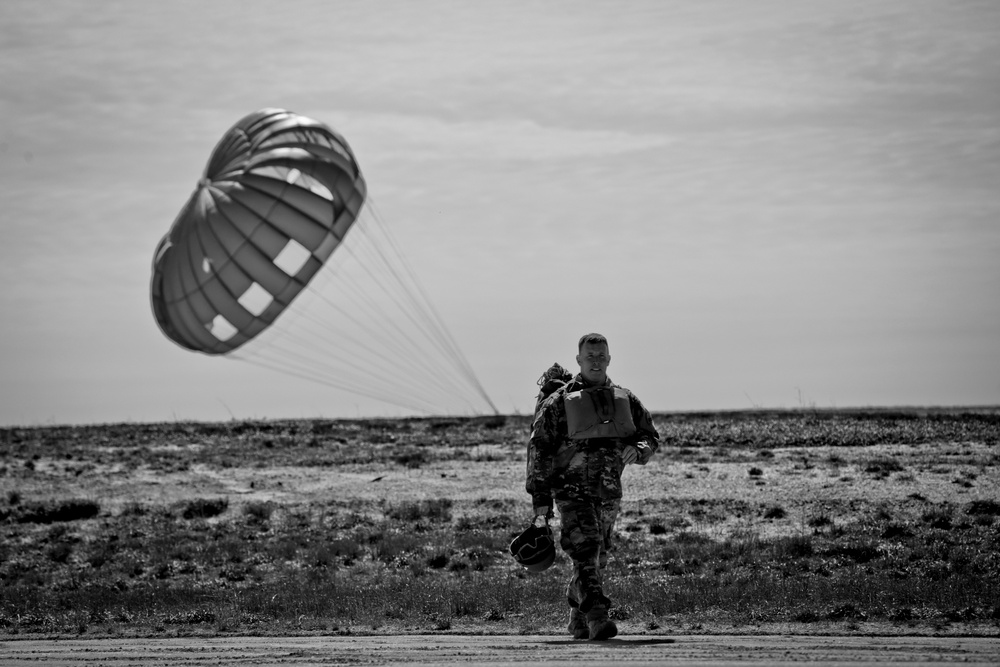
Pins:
x,y
550,381
555,377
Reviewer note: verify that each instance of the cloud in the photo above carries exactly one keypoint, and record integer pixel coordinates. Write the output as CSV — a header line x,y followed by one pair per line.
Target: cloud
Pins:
x,y
427,137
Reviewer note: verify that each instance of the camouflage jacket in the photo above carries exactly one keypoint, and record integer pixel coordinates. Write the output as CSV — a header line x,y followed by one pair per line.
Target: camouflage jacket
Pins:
x,y
568,469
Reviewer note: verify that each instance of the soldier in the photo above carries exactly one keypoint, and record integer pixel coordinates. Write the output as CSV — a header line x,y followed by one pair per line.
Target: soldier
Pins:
x,y
584,434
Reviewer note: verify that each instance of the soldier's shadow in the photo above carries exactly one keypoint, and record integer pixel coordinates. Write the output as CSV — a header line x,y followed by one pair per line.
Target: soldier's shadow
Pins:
x,y
616,641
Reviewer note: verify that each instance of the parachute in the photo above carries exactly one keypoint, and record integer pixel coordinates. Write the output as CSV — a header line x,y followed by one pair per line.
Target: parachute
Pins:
x,y
277,198
279,194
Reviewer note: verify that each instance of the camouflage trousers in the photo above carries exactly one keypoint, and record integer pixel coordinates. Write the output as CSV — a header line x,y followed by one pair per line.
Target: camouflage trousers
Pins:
x,y
586,539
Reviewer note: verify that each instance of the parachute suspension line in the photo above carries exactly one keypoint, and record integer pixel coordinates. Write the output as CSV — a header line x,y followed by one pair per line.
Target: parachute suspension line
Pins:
x,y
381,325
339,375
379,370
382,274
366,306
349,387
311,353
422,308
434,318
319,362
415,362
406,344
357,339
372,263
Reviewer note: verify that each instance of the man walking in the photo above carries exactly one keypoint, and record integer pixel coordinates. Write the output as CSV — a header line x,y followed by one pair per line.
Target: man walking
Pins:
x,y
583,436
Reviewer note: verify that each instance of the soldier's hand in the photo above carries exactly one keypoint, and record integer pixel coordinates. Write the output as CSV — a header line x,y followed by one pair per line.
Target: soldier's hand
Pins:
x,y
630,454
542,514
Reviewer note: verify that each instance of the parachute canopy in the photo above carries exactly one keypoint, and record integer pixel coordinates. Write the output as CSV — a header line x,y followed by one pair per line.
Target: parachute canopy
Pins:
x,y
278,195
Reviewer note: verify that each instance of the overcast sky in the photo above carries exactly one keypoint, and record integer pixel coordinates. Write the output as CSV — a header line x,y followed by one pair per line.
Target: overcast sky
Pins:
x,y
773,204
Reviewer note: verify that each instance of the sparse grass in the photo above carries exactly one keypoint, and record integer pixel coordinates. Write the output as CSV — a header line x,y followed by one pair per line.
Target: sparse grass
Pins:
x,y
59,511
983,508
288,564
438,510
204,508
775,512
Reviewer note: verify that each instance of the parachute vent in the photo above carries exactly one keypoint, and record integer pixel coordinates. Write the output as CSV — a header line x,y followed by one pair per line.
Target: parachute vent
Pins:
x,y
292,257
256,299
221,328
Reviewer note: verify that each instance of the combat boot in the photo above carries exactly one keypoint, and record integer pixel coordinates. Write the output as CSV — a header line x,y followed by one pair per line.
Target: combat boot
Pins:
x,y
578,624
599,625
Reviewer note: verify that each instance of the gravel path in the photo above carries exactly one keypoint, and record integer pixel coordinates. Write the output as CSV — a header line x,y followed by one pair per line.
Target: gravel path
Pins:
x,y
526,651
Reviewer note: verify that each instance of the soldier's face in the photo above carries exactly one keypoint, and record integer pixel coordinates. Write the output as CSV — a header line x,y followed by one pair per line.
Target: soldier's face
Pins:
x,y
594,360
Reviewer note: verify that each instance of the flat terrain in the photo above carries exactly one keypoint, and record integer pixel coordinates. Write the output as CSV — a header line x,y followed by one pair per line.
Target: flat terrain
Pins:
x,y
526,651
854,524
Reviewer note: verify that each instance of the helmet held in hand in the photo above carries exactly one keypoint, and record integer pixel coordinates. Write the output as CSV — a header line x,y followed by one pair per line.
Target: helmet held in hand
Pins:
x,y
535,549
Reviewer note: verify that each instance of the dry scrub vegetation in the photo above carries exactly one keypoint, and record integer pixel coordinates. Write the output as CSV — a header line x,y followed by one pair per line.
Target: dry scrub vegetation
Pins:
x,y
763,521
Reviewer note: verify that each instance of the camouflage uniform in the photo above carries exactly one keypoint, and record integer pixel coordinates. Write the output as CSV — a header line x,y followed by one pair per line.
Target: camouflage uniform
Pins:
x,y
583,478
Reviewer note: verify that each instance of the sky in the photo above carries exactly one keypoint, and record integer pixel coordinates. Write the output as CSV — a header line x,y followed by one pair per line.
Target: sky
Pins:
x,y
776,204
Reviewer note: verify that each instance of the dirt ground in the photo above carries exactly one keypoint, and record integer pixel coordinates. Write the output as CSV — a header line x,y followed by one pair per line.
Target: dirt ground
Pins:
x,y
525,651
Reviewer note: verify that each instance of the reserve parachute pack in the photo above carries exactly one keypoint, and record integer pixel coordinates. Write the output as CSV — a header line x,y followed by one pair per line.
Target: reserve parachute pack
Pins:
x,y
599,412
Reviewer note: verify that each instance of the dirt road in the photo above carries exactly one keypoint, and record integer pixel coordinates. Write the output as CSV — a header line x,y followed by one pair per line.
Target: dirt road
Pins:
x,y
526,651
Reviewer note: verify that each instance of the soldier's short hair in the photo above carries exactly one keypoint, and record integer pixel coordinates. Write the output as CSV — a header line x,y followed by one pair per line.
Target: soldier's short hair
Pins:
x,y
592,338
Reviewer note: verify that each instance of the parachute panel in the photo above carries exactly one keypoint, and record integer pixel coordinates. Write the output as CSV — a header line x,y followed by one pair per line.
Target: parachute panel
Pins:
x,y
190,321
224,302
269,241
307,202
261,268
233,278
274,212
